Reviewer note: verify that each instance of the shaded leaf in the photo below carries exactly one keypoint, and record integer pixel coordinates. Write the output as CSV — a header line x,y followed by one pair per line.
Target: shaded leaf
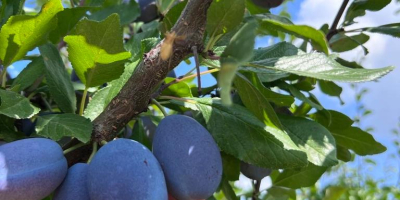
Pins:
x,y
172,16
358,8
342,42
56,126
127,12
9,8
16,106
231,167
332,120
29,74
297,178
97,104
330,88
387,29
343,153
58,79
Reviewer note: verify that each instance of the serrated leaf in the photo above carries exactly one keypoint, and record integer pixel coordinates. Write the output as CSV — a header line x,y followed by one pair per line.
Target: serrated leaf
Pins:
x,y
96,51
316,37
29,74
16,106
97,104
361,142
239,133
256,102
9,8
58,79
66,21
332,120
358,8
319,66
22,33
312,138
297,178
127,12
342,42
238,51
57,126
224,15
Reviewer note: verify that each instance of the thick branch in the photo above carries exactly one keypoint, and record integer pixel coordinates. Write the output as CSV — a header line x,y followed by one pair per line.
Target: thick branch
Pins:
x,y
135,95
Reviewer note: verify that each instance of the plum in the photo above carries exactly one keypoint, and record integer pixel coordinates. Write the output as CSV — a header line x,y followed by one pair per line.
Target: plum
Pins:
x,y
125,169
189,157
74,184
30,168
148,10
254,172
268,3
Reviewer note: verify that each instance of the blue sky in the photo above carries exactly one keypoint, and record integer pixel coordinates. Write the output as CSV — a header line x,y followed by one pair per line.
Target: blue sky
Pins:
x,y
383,97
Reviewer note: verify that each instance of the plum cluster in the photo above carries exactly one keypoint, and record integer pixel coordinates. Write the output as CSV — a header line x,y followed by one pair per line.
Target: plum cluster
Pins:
x,y
185,164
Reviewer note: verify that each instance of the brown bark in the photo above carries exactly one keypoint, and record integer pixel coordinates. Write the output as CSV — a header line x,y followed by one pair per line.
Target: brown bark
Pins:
x,y
136,93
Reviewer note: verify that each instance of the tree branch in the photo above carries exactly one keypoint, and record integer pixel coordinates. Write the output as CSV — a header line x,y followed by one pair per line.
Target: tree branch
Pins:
x,y
333,30
136,93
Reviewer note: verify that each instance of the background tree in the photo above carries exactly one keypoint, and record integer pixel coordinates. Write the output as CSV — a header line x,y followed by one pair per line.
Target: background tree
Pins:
x,y
263,113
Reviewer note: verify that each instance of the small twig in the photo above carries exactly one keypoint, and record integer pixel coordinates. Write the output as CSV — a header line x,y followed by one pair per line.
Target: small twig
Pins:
x,y
196,59
155,102
333,30
256,191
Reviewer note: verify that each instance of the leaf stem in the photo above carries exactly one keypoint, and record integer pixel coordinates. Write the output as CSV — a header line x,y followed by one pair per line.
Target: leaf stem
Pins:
x,y
83,101
333,30
73,148
155,102
4,78
94,151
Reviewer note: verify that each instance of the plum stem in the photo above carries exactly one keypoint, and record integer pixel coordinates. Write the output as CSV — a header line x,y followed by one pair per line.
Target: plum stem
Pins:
x,y
256,185
83,100
155,102
73,148
94,151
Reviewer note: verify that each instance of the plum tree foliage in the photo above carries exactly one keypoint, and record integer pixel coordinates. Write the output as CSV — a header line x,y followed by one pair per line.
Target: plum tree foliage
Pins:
x,y
99,97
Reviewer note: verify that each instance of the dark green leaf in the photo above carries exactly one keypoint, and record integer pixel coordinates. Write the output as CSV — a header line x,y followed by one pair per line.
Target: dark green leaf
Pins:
x,y
127,12
343,153
139,134
388,29
22,33
66,21
312,138
280,193
172,16
9,8
238,51
7,129
297,178
361,142
16,106
332,120
349,64
58,79
56,126
358,8
239,133
342,42
297,93
330,88
254,9
228,190
223,16
28,76
231,167
96,50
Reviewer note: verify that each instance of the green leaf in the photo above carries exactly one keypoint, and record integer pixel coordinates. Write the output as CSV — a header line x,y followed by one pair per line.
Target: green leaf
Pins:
x,y
231,167
223,16
97,104
139,134
342,42
298,94
330,88
180,89
319,66
56,126
9,8
334,192
16,106
239,133
7,129
332,120
316,37
29,74
96,50
238,51
388,29
358,8
58,79
172,16
22,33
254,9
361,142
165,5
127,12
312,138
343,153
255,101
349,64
228,190
66,21
297,178
280,193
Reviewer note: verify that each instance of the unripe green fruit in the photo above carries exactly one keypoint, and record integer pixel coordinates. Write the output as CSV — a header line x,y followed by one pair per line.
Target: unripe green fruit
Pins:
x,y
268,3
